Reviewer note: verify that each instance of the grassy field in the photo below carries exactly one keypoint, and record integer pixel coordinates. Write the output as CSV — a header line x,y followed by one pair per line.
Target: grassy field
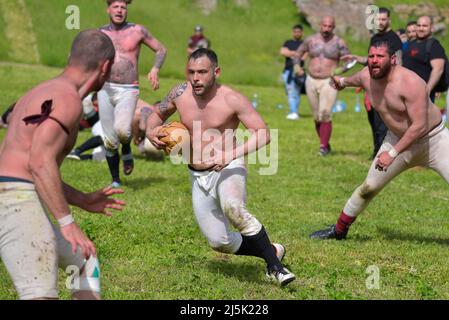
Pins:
x,y
154,249
246,40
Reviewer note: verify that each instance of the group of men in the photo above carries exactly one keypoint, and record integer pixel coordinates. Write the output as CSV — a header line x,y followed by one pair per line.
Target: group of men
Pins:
x,y
400,79
416,50
44,124
42,130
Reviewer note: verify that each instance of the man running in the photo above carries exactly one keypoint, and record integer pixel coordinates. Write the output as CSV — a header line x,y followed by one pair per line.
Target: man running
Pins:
x,y
212,111
416,135
42,129
118,98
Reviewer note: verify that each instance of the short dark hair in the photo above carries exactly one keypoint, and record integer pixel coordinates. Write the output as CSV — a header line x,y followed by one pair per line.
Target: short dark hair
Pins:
x,y
384,10
401,30
383,43
91,47
298,26
210,54
109,2
411,23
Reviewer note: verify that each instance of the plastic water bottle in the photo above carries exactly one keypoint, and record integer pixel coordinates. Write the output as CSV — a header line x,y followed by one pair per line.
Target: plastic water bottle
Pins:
x,y
357,104
280,106
339,106
255,100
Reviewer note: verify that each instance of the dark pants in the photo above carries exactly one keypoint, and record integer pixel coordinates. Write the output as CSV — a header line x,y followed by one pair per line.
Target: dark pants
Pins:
x,y
378,128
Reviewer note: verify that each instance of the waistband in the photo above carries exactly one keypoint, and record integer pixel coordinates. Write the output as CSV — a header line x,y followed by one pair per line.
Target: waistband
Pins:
x,y
318,79
437,129
196,170
234,163
13,179
124,86
432,132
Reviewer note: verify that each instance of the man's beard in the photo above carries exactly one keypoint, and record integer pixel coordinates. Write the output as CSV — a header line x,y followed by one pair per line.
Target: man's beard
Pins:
x,y
383,71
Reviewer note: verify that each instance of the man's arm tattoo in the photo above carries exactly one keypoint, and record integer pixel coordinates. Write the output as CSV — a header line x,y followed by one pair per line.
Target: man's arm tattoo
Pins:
x,y
172,95
160,58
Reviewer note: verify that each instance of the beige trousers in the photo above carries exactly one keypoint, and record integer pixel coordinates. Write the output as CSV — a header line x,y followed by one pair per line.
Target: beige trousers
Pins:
x,y
431,151
322,97
30,246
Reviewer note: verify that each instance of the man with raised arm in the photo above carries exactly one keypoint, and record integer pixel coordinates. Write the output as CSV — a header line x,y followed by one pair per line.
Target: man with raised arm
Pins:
x,y
416,135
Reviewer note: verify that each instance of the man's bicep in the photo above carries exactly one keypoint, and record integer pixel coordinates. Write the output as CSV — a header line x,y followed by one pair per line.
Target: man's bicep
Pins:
x,y
49,139
249,117
150,41
416,102
437,63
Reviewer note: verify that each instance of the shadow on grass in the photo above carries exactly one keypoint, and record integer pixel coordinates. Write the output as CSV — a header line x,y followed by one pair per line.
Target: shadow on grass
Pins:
x,y
250,272
137,183
245,272
396,235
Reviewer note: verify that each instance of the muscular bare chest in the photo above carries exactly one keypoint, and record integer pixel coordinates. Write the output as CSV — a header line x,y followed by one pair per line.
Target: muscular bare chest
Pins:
x,y
125,41
386,100
321,49
214,115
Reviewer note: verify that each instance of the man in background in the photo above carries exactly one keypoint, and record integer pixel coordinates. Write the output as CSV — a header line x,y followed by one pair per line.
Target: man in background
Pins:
x,y
293,83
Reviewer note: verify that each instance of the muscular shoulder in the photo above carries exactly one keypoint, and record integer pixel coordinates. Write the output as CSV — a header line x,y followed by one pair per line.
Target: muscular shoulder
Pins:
x,y
142,30
407,79
233,98
170,100
177,91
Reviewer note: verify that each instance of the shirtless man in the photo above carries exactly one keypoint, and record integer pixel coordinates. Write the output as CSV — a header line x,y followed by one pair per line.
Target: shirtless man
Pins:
x,y
118,98
207,108
416,135
42,130
325,50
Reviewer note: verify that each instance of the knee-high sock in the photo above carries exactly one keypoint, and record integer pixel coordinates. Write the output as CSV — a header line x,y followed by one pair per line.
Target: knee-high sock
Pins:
x,y
259,245
126,148
317,128
90,143
325,134
113,160
344,222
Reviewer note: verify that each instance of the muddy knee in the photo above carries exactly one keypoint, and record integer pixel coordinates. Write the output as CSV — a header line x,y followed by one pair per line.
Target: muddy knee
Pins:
x,y
226,244
241,219
367,191
124,136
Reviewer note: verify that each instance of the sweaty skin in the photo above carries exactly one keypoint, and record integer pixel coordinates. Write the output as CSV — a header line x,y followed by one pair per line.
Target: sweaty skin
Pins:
x,y
217,108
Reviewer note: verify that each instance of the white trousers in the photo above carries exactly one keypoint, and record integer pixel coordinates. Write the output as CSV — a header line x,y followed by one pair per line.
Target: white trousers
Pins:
x,y
219,201
31,247
431,151
117,103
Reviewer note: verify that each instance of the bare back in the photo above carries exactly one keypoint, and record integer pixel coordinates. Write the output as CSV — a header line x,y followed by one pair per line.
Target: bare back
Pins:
x,y
127,42
402,100
324,54
15,150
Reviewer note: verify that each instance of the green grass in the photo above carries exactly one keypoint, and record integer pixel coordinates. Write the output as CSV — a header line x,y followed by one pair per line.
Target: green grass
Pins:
x,y
4,44
154,249
246,40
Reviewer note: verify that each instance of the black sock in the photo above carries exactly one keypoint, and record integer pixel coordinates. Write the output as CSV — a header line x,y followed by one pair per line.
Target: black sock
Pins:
x,y
260,246
126,148
114,163
90,143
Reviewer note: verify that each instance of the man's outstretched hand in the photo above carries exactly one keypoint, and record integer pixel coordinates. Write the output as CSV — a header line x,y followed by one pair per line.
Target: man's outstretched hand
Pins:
x,y
101,201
